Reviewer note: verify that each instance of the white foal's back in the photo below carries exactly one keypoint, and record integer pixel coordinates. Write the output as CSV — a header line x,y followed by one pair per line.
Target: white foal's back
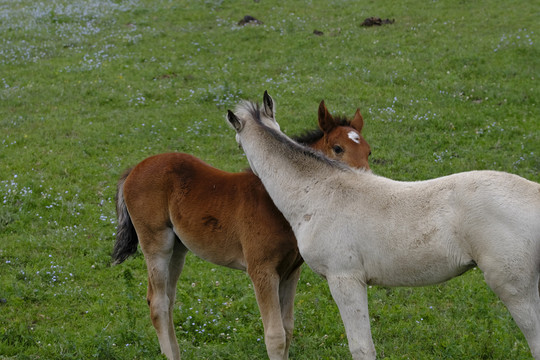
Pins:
x,y
417,233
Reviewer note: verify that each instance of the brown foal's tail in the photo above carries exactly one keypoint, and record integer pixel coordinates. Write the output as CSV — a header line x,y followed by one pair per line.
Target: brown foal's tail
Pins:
x,y
126,237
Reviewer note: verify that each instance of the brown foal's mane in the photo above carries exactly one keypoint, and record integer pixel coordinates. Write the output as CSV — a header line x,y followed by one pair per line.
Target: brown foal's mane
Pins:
x,y
312,136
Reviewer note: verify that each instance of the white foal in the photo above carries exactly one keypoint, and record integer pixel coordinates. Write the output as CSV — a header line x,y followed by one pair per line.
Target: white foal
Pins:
x,y
356,228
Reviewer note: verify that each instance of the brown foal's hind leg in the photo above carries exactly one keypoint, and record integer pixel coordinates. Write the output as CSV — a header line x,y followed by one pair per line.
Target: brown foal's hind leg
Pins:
x,y
175,269
164,256
287,291
266,285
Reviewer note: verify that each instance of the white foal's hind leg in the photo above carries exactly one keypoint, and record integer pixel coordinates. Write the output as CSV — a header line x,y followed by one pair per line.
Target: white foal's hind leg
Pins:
x,y
266,285
350,295
287,291
518,289
160,253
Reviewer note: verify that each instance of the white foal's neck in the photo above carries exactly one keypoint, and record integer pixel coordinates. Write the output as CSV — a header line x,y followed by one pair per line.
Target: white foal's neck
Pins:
x,y
288,170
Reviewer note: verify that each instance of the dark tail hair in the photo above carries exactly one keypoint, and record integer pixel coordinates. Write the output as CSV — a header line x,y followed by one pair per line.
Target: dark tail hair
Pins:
x,y
126,236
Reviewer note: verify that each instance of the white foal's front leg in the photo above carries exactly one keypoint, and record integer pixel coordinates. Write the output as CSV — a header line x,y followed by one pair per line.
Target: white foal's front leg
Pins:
x,y
350,295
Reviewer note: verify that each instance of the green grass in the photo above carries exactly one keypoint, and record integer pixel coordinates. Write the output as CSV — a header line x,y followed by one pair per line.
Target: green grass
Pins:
x,y
88,89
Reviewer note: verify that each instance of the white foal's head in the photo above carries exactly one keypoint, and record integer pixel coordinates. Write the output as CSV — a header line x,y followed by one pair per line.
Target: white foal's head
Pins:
x,y
249,111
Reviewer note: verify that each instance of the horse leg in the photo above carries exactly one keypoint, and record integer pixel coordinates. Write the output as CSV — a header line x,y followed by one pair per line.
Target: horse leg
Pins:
x,y
176,265
518,289
350,295
287,291
164,257
266,285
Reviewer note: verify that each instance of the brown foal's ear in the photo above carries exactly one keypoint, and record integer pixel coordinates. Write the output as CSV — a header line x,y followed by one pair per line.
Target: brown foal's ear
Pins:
x,y
234,121
358,121
326,121
268,102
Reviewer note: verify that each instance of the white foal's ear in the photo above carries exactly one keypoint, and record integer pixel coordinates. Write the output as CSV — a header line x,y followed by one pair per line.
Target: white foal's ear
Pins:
x,y
233,121
268,102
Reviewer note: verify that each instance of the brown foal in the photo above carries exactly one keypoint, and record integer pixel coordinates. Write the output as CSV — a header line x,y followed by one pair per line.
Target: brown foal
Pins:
x,y
174,203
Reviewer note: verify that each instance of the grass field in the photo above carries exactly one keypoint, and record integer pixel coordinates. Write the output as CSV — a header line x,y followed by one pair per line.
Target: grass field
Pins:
x,y
89,88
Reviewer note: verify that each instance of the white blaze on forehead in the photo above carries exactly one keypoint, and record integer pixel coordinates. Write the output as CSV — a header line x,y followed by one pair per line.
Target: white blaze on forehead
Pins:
x,y
353,135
